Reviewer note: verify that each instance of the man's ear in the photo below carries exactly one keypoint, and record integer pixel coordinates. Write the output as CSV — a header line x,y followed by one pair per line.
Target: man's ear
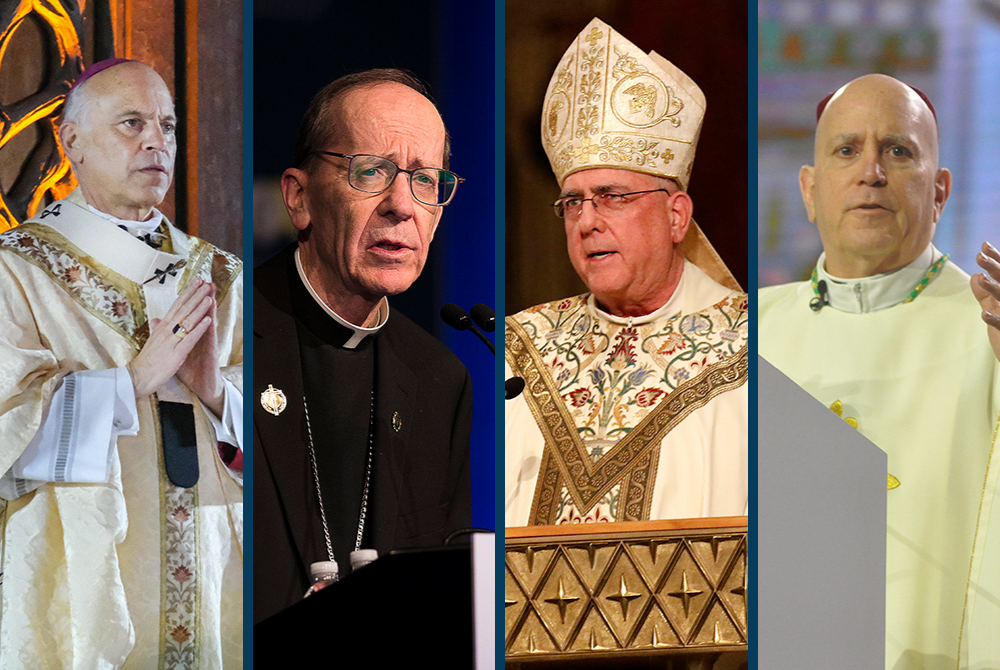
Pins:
x,y
72,141
682,208
293,192
806,182
942,189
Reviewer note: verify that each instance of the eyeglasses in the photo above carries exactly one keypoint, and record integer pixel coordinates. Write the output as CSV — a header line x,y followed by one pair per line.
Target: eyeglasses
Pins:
x,y
571,207
375,174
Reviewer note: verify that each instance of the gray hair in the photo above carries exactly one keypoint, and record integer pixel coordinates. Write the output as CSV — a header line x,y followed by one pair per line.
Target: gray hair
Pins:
x,y
77,105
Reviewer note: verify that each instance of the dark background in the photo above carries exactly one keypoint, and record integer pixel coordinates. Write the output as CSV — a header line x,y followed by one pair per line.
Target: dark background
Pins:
x,y
708,41
302,45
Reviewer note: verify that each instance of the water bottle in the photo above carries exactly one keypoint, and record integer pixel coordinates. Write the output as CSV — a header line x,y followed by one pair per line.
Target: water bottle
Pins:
x,y
323,574
362,557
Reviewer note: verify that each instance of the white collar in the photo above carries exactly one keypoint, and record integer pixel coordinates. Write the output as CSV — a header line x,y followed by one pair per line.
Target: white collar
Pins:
x,y
878,292
669,308
360,332
148,226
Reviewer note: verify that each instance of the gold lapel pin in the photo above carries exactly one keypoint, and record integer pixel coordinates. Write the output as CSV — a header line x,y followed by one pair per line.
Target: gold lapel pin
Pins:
x,y
397,423
273,400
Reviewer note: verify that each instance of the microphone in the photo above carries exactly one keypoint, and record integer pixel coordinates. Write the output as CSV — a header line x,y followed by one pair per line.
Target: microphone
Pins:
x,y
816,304
457,318
484,317
512,388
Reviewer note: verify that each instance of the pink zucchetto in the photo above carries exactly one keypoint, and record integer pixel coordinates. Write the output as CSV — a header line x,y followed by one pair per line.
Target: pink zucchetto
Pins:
x,y
99,66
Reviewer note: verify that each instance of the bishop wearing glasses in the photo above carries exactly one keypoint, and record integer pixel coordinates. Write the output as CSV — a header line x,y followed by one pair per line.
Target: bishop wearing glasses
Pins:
x,y
638,388
361,418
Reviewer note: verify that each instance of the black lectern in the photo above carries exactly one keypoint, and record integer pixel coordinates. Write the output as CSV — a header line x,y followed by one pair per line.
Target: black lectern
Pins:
x,y
407,606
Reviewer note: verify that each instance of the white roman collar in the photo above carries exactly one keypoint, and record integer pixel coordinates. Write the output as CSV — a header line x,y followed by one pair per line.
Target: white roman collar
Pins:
x,y
360,332
878,292
148,226
96,236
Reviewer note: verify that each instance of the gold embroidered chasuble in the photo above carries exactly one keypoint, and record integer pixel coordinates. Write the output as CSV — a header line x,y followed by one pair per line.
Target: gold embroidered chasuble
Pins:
x,y
134,572
923,384
628,419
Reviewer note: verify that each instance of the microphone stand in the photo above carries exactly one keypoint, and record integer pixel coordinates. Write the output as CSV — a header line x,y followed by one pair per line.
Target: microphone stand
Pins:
x,y
458,318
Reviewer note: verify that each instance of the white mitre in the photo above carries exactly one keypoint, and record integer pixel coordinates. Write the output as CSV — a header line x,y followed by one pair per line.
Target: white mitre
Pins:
x,y
610,105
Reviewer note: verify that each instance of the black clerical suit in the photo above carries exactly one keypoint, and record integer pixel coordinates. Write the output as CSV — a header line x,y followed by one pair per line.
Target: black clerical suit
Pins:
x,y
420,488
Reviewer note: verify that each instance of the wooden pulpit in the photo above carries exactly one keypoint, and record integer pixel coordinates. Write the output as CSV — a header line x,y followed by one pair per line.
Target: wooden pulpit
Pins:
x,y
668,594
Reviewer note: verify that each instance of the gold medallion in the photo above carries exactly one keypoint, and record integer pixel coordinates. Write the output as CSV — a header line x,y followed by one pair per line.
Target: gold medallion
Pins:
x,y
273,400
397,423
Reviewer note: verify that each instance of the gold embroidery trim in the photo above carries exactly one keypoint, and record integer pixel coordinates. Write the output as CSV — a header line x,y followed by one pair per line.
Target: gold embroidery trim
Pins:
x,y
174,614
104,274
565,458
223,268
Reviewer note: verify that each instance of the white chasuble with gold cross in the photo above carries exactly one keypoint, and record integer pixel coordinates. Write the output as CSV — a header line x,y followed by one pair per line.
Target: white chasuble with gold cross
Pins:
x,y
133,571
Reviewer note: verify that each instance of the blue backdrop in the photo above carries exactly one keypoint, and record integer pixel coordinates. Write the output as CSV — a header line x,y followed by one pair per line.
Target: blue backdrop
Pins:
x,y
300,46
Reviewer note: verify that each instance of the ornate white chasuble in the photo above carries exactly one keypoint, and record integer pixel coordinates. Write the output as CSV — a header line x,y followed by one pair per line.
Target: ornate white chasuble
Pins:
x,y
98,269
604,395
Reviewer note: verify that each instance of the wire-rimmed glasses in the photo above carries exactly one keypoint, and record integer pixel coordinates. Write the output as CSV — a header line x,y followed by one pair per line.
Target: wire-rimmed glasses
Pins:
x,y
375,174
571,206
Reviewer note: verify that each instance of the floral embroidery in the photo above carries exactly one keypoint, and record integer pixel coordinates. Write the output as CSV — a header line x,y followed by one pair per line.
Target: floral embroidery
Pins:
x,y
181,586
671,343
579,397
611,403
605,511
618,149
623,350
182,574
626,65
72,274
564,159
107,302
119,308
611,379
648,396
590,94
210,263
588,121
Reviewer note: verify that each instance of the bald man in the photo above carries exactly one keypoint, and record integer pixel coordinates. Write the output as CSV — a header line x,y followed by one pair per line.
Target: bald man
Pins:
x,y
889,327
120,407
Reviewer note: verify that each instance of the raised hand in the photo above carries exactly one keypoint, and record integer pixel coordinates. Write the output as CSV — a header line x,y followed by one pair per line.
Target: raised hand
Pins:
x,y
200,370
986,288
166,350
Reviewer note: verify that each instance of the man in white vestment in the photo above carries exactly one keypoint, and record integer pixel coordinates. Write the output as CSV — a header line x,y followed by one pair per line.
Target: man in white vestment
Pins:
x,y
121,423
888,333
638,388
